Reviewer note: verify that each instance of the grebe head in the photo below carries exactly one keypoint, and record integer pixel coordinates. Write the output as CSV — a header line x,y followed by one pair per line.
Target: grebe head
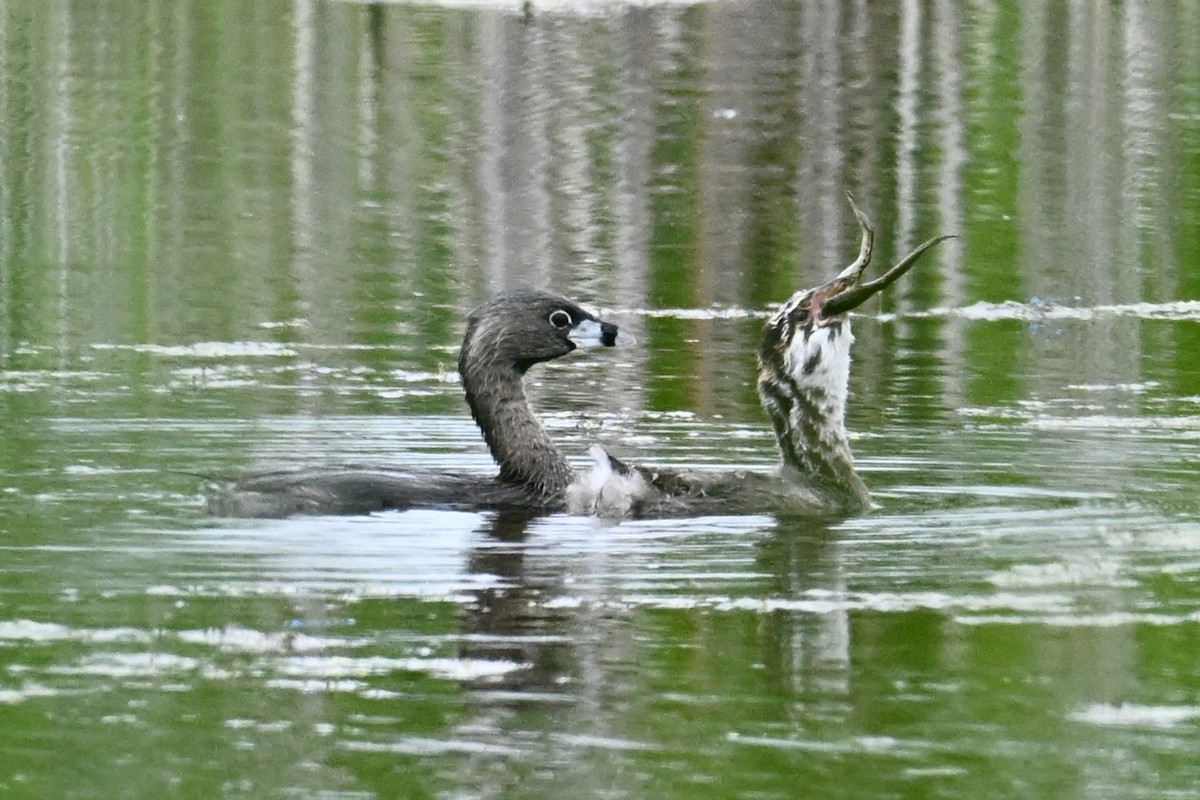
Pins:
x,y
823,309
518,329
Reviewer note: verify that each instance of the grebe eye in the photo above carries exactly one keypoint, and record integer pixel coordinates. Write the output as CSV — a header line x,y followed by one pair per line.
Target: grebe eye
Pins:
x,y
560,319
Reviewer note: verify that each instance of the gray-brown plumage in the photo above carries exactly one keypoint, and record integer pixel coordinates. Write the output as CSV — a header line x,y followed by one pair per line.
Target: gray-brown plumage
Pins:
x,y
804,374
504,338
804,370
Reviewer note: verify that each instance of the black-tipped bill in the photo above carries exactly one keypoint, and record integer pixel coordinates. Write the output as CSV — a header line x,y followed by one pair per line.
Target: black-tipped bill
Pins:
x,y
596,333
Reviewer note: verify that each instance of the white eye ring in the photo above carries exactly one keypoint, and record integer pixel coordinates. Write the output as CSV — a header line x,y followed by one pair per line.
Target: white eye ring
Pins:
x,y
560,319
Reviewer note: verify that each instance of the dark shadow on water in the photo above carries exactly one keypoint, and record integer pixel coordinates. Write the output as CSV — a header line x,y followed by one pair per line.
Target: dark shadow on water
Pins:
x,y
509,621
516,621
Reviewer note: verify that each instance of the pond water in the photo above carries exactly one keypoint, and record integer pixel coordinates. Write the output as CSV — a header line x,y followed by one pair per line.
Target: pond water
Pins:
x,y
245,236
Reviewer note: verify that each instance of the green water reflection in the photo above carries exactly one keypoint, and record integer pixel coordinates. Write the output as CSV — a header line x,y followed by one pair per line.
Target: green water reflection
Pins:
x,y
240,236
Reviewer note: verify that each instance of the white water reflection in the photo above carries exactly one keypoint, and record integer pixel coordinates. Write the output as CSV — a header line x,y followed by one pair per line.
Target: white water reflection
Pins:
x,y
1132,715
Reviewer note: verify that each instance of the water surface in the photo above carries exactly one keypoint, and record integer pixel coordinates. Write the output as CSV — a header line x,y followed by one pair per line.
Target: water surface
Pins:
x,y
240,237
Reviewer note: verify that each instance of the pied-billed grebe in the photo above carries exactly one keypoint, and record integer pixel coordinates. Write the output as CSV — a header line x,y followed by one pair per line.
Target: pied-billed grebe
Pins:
x,y
804,370
504,338
803,381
